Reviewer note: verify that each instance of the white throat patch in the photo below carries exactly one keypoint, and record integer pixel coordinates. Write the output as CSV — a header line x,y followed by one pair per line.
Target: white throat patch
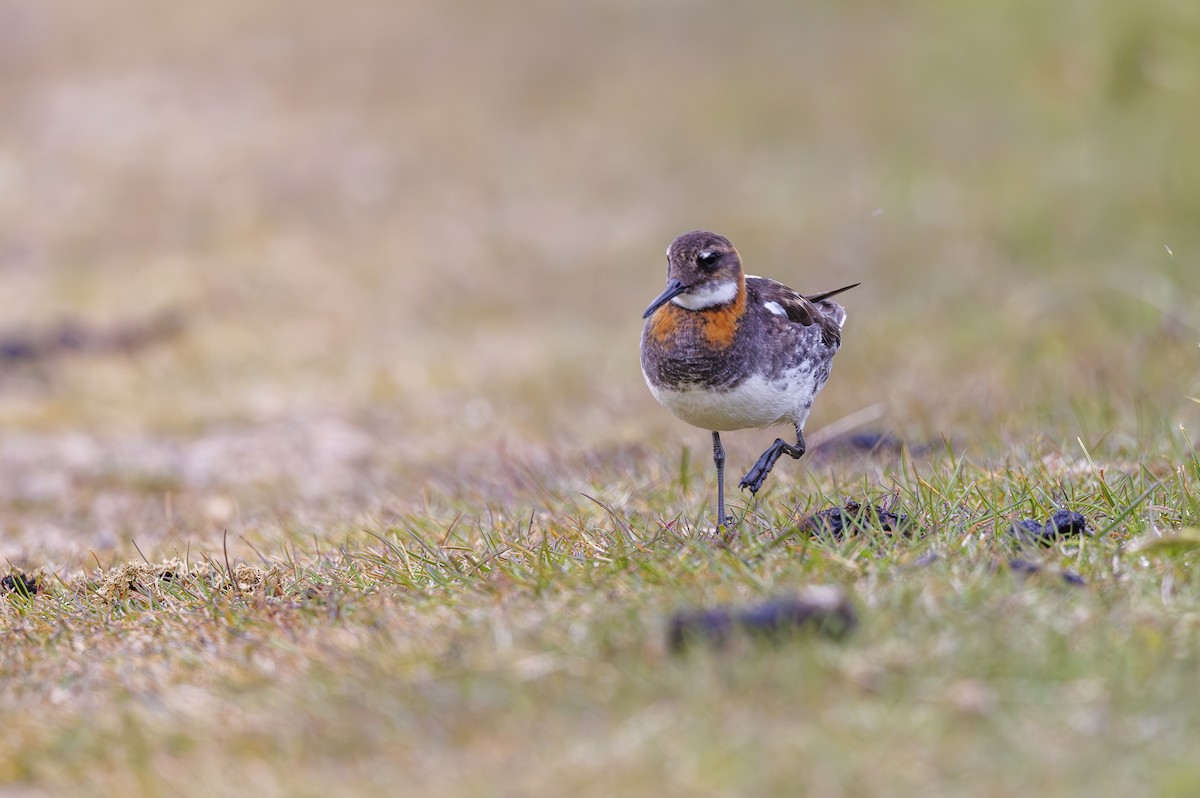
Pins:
x,y
709,295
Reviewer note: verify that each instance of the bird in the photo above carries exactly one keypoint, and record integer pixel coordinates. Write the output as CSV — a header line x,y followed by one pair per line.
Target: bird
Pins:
x,y
726,351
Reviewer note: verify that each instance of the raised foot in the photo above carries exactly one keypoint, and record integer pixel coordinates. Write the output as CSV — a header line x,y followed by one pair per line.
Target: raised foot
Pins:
x,y
757,475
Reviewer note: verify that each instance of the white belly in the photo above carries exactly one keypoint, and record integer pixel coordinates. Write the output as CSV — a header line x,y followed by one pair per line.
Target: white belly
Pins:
x,y
754,403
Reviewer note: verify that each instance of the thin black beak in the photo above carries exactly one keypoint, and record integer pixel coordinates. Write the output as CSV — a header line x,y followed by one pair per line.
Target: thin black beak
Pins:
x,y
674,289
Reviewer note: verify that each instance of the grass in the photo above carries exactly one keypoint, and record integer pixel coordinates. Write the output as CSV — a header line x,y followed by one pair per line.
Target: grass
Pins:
x,y
458,654
410,246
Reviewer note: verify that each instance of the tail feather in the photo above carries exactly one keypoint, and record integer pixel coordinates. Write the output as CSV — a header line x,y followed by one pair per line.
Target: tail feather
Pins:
x,y
829,294
832,309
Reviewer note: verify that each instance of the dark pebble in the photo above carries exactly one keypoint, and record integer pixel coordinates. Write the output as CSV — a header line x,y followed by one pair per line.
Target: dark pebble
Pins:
x,y
70,336
20,584
1027,568
824,610
1062,524
865,443
17,349
926,559
1027,530
1023,566
837,521
1065,523
28,346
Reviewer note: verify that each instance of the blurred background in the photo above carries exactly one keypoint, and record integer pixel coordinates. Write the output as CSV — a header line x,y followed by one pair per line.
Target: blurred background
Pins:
x,y
403,248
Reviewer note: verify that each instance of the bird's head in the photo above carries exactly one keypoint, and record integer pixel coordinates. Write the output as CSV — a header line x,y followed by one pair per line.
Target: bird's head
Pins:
x,y
703,271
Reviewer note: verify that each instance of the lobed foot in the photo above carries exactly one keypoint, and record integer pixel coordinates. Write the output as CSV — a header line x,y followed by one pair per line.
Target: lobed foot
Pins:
x,y
757,475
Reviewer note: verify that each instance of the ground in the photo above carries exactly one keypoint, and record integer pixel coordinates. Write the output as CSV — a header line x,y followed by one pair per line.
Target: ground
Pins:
x,y
324,447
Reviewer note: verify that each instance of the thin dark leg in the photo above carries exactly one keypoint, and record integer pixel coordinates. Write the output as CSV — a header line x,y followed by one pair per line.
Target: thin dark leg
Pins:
x,y
719,459
758,474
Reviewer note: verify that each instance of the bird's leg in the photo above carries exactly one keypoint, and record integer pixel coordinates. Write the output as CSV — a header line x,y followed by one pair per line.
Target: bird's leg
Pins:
x,y
758,474
719,460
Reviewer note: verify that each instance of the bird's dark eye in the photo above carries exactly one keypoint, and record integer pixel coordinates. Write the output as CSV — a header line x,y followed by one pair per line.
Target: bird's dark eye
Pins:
x,y
707,259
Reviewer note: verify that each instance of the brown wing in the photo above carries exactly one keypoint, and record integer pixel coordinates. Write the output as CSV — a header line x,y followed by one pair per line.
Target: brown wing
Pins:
x,y
818,309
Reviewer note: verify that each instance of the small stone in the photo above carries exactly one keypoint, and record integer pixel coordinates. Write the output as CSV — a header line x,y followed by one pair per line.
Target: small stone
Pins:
x,y
852,517
21,584
1027,530
1062,524
1027,568
1024,567
825,610
1066,523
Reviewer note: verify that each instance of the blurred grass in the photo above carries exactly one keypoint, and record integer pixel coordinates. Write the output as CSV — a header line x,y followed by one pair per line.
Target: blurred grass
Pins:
x,y
412,242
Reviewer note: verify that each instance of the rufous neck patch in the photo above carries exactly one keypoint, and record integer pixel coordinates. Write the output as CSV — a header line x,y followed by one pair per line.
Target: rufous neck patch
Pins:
x,y
720,324
664,323
717,325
